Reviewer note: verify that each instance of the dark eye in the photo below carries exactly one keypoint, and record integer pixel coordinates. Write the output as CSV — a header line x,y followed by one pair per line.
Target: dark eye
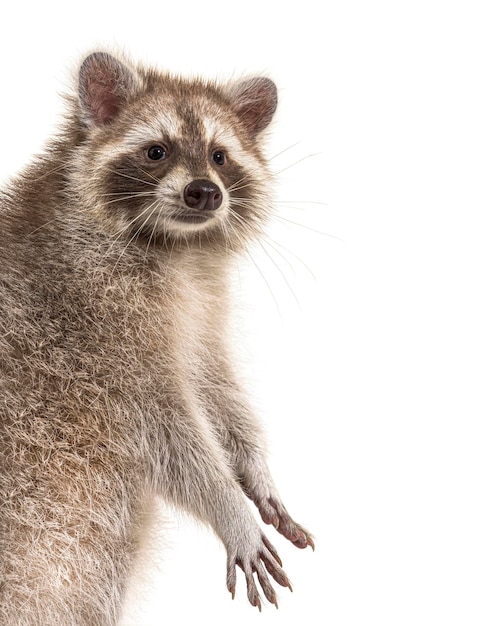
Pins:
x,y
156,153
219,157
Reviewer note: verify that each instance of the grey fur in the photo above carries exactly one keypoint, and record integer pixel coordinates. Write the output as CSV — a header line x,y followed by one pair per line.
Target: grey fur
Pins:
x,y
115,379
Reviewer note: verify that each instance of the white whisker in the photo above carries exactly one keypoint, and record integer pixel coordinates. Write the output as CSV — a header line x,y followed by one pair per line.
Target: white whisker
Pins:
x,y
272,243
153,230
42,226
138,180
304,158
150,210
281,273
277,154
313,230
146,173
117,236
266,282
131,196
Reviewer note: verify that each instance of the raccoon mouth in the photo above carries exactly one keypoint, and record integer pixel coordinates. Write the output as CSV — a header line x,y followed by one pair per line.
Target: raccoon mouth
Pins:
x,y
192,218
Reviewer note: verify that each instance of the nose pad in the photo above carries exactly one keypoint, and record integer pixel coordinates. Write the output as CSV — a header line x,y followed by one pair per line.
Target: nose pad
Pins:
x,y
202,195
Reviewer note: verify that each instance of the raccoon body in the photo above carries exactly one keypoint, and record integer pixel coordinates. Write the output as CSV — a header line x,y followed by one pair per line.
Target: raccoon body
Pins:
x,y
115,376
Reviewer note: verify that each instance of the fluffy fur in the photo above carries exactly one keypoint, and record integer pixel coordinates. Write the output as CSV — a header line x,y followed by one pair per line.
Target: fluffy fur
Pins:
x,y
115,380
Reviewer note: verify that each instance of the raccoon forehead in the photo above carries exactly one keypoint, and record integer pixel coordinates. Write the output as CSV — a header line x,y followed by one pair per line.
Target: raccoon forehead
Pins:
x,y
221,134
212,132
163,125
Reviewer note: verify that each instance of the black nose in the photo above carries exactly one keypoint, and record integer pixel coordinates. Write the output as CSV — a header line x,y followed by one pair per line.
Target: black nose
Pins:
x,y
202,195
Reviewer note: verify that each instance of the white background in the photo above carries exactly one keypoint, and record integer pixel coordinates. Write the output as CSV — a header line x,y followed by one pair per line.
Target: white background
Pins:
x,y
374,388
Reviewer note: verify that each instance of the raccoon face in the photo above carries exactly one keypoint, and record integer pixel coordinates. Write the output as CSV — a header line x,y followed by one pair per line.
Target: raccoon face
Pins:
x,y
170,159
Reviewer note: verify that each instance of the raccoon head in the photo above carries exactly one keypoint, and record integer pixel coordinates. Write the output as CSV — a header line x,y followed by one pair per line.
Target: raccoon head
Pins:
x,y
168,159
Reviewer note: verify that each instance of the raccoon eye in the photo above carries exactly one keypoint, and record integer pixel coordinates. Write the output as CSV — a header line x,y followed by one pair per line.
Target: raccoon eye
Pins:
x,y
156,153
219,157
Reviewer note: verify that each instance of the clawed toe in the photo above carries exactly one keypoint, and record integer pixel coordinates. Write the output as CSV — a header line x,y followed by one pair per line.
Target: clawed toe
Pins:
x,y
274,513
266,564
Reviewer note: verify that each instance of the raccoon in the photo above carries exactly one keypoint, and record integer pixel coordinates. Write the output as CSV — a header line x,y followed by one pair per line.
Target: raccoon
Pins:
x,y
117,383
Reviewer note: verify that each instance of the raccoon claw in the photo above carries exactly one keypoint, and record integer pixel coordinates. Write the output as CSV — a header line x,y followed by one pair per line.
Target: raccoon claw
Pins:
x,y
264,564
273,512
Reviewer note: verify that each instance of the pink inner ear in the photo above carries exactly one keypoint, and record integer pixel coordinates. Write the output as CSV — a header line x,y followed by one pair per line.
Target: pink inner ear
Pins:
x,y
101,98
105,109
255,102
105,85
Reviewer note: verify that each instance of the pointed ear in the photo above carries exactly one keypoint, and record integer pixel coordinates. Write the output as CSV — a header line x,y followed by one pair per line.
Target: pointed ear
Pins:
x,y
255,101
105,85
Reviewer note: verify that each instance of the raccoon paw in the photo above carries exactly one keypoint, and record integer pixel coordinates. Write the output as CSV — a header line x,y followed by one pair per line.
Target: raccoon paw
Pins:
x,y
262,561
273,512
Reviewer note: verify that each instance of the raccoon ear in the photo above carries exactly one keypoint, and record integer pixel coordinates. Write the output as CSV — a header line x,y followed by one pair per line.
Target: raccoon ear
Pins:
x,y
255,101
105,84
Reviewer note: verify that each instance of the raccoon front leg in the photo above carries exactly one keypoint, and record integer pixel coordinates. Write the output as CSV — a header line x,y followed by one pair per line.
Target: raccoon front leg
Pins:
x,y
242,437
194,475
258,485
